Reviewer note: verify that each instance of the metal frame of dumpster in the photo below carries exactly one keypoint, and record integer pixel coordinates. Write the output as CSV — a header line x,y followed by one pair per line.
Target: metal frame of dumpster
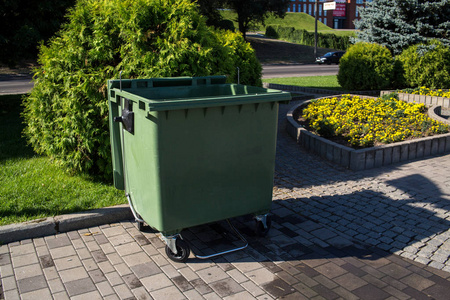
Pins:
x,y
177,144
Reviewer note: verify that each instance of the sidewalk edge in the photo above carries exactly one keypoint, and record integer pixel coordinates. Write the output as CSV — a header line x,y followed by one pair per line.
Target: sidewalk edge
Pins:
x,y
63,223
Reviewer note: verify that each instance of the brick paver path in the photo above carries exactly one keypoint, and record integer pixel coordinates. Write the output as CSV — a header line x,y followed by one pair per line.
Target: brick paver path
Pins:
x,y
333,237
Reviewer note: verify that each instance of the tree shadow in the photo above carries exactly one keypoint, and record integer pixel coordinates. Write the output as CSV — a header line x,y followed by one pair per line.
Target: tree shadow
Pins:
x,y
12,142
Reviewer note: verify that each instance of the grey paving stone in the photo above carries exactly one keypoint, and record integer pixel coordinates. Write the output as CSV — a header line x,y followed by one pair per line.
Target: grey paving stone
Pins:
x,y
145,270
28,271
156,282
212,274
58,241
37,294
170,292
226,287
201,286
30,284
73,274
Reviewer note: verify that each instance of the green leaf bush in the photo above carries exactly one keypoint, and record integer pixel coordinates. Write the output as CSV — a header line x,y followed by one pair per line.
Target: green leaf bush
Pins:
x,y
426,65
66,113
366,66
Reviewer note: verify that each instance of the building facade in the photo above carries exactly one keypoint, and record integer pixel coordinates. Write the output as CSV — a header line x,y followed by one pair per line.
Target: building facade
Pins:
x,y
340,18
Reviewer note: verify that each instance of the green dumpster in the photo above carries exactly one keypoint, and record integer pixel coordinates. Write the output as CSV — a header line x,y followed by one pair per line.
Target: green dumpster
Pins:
x,y
193,150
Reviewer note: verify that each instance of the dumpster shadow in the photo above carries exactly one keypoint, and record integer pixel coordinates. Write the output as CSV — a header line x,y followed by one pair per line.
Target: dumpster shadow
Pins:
x,y
363,224
282,244
405,219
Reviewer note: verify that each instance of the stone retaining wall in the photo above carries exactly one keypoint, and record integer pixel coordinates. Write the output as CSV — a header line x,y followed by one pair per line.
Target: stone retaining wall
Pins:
x,y
367,158
427,100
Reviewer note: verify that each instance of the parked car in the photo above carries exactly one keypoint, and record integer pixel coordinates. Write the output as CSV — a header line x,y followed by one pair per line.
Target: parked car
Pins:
x,y
330,57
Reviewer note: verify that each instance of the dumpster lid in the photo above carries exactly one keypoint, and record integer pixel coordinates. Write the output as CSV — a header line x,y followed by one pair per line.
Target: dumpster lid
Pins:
x,y
162,94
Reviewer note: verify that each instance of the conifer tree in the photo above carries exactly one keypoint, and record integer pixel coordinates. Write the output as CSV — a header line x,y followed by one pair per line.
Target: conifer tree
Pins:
x,y
398,24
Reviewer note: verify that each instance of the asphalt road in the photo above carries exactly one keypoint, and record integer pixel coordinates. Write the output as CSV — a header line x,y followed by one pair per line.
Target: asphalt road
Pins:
x,y
17,85
10,86
273,71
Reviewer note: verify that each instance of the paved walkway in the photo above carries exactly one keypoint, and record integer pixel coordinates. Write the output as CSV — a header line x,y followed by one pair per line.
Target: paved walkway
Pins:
x,y
380,234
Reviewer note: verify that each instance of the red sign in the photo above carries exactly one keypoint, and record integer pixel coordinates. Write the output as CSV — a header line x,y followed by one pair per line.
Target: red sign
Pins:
x,y
340,10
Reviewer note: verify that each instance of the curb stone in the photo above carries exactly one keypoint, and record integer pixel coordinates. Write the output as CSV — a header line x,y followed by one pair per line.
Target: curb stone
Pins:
x,y
64,223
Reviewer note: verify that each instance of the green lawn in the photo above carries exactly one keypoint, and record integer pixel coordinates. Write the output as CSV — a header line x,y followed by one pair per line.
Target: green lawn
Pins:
x,y
31,186
323,82
296,20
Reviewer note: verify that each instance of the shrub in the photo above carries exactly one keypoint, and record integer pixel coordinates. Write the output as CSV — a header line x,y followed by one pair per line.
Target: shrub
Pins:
x,y
427,65
67,110
366,66
271,32
226,25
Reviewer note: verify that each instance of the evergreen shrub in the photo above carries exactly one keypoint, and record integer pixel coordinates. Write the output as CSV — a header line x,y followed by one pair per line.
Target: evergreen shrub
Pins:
x,y
226,25
271,32
67,111
427,65
366,66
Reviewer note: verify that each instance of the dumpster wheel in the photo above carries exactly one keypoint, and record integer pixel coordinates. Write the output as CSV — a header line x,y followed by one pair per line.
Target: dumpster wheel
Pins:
x,y
182,249
141,225
263,225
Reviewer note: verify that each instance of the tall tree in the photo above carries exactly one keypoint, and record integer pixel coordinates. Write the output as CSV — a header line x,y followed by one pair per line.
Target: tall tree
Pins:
x,y
210,9
398,24
250,12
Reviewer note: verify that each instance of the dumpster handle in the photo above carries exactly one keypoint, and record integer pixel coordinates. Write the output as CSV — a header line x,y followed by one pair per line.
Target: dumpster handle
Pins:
x,y
132,209
228,251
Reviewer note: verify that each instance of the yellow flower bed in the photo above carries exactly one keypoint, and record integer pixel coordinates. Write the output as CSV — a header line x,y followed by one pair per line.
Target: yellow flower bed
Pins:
x,y
428,92
364,122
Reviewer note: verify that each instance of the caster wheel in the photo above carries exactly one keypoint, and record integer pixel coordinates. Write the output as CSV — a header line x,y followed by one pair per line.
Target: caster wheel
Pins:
x,y
259,228
183,251
140,226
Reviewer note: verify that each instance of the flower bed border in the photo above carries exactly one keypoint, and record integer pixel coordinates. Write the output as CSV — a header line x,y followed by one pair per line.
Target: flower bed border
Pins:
x,y
367,158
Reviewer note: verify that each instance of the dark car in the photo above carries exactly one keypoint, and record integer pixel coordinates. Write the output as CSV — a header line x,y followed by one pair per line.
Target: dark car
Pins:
x,y
330,57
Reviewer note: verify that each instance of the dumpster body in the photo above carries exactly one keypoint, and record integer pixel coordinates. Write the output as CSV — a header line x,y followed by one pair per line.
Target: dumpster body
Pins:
x,y
190,151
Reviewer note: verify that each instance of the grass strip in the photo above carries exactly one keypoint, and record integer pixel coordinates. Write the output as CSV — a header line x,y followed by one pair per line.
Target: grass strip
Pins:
x,y
328,82
31,187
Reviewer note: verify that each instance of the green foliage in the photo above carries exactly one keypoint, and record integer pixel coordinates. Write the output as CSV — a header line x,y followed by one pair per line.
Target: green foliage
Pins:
x,y
271,32
226,25
25,23
67,110
398,24
427,65
366,66
303,37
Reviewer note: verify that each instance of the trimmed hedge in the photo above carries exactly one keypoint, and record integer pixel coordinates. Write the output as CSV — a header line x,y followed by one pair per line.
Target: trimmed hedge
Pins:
x,y
366,66
426,65
304,37
67,111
